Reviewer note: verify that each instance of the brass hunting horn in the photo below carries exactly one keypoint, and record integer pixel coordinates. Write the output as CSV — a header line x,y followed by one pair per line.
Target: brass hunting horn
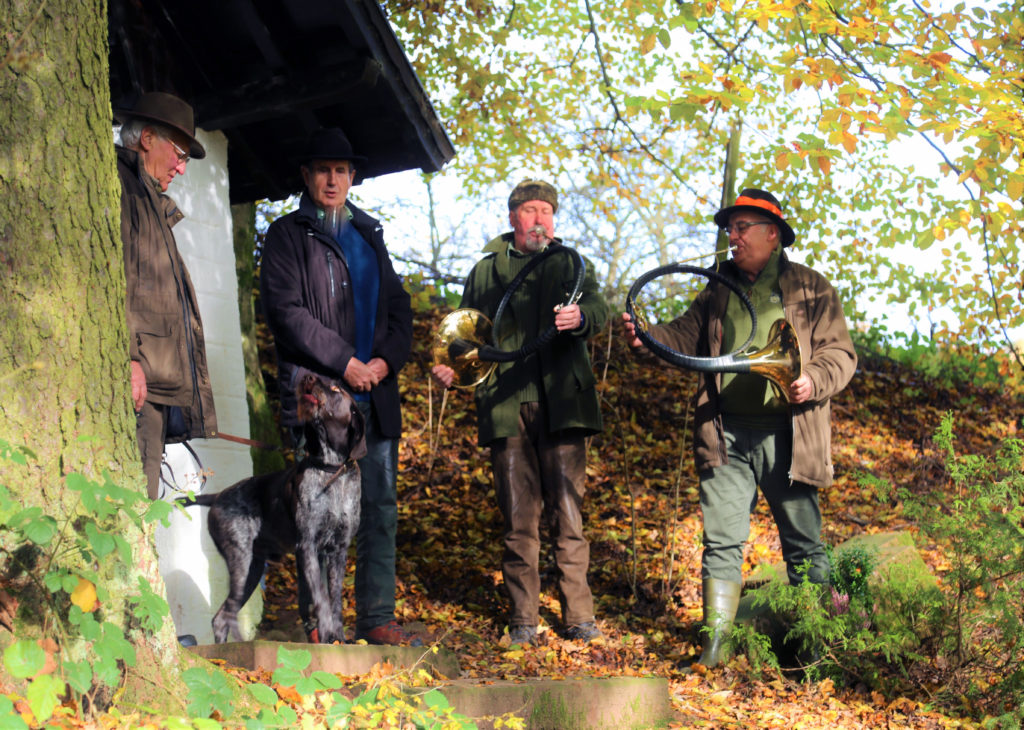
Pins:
x,y
778,361
467,342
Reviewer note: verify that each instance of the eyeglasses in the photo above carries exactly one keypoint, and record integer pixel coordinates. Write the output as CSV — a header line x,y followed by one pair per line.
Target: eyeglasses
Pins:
x,y
183,156
741,226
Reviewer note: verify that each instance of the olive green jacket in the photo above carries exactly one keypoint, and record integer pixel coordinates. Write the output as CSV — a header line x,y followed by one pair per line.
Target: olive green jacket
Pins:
x,y
567,383
827,357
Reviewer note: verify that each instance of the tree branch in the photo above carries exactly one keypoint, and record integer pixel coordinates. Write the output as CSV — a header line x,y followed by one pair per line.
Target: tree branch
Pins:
x,y
619,119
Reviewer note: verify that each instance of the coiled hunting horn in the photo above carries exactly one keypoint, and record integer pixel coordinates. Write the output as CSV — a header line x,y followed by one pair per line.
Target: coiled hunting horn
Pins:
x,y
778,361
466,341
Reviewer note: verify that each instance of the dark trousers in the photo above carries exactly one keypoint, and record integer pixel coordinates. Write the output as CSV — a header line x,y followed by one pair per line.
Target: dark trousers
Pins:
x,y
378,527
150,432
728,495
538,476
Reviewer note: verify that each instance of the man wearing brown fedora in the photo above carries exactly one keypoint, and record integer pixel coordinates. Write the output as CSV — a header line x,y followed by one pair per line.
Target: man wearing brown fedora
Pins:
x,y
170,383
745,434
337,308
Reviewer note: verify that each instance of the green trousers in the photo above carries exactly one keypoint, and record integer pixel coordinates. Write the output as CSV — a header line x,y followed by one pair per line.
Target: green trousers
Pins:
x,y
728,495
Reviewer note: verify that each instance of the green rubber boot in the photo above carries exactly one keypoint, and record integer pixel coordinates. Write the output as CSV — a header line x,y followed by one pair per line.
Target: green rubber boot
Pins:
x,y
721,600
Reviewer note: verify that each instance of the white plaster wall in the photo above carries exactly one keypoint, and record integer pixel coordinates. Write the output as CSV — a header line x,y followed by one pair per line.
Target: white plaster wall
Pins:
x,y
193,570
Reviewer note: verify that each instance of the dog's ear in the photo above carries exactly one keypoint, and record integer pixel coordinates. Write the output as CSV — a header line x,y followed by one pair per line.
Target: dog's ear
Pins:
x,y
356,432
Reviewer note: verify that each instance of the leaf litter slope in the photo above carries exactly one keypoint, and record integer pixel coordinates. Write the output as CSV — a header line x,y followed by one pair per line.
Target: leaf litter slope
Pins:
x,y
643,520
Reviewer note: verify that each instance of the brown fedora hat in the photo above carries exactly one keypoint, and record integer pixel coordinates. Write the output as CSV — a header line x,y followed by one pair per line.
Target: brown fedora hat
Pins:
x,y
166,109
763,203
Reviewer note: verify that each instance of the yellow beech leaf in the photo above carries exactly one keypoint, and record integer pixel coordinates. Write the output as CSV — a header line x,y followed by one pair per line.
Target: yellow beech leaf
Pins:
x,y
849,142
1015,187
782,161
84,595
824,164
647,44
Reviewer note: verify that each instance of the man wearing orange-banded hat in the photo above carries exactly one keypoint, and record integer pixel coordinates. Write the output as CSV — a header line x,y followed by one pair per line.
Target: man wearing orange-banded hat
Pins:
x,y
745,435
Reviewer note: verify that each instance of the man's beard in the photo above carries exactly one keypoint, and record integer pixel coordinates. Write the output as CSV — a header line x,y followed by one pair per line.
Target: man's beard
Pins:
x,y
536,239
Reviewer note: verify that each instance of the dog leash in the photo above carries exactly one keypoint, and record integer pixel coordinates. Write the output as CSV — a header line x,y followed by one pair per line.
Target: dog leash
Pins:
x,y
248,442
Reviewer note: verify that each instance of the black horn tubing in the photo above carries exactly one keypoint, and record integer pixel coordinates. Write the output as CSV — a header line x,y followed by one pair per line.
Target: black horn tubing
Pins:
x,y
734,362
491,353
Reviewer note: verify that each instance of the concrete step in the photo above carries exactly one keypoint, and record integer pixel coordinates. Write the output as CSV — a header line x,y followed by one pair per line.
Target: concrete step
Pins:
x,y
347,659
589,703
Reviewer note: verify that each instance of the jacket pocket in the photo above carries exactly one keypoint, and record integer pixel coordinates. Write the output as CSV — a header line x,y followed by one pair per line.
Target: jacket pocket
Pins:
x,y
159,352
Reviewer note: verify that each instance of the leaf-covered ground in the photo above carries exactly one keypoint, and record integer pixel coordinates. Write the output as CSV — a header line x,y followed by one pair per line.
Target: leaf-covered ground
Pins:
x,y
644,525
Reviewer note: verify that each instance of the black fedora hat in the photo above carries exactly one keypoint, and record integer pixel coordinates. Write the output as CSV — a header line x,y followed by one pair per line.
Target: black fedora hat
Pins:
x,y
760,202
166,109
329,143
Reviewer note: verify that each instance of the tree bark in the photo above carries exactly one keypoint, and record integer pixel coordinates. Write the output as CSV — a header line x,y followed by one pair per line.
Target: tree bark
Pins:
x,y
262,425
64,376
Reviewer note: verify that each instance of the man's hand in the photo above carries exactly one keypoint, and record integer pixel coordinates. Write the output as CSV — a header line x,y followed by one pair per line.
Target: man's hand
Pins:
x,y
568,318
629,331
443,375
801,389
359,376
139,390
380,368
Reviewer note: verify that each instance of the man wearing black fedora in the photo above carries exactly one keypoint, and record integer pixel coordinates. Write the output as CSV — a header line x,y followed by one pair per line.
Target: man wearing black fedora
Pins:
x,y
337,308
170,382
745,434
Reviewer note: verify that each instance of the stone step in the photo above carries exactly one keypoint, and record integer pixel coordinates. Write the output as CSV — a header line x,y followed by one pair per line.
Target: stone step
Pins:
x,y
589,703
347,659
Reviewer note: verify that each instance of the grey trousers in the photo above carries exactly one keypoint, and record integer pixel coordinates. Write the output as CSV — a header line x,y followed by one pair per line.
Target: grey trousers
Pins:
x,y
728,495
538,476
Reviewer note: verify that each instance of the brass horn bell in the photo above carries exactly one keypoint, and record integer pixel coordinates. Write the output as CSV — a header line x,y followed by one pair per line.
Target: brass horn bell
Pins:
x,y
779,360
457,342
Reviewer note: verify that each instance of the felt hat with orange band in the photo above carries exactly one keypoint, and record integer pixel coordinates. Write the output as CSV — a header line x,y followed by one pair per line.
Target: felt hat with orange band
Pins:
x,y
758,201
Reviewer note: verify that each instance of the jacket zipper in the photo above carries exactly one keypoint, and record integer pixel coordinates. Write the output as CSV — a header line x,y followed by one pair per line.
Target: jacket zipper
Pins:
x,y
330,270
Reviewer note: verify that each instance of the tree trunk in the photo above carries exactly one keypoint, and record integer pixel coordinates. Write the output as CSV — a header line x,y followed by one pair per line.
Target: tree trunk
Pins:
x,y
262,426
64,373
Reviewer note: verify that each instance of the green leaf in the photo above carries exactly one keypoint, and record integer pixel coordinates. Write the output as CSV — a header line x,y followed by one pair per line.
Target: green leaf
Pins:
x,y
435,700
101,543
87,624
44,695
315,682
291,665
40,530
263,694
106,670
159,511
78,675
664,38
150,607
9,717
208,691
113,644
24,658
340,708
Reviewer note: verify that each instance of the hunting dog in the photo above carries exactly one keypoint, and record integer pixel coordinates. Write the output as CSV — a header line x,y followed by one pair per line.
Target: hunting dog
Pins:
x,y
311,507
